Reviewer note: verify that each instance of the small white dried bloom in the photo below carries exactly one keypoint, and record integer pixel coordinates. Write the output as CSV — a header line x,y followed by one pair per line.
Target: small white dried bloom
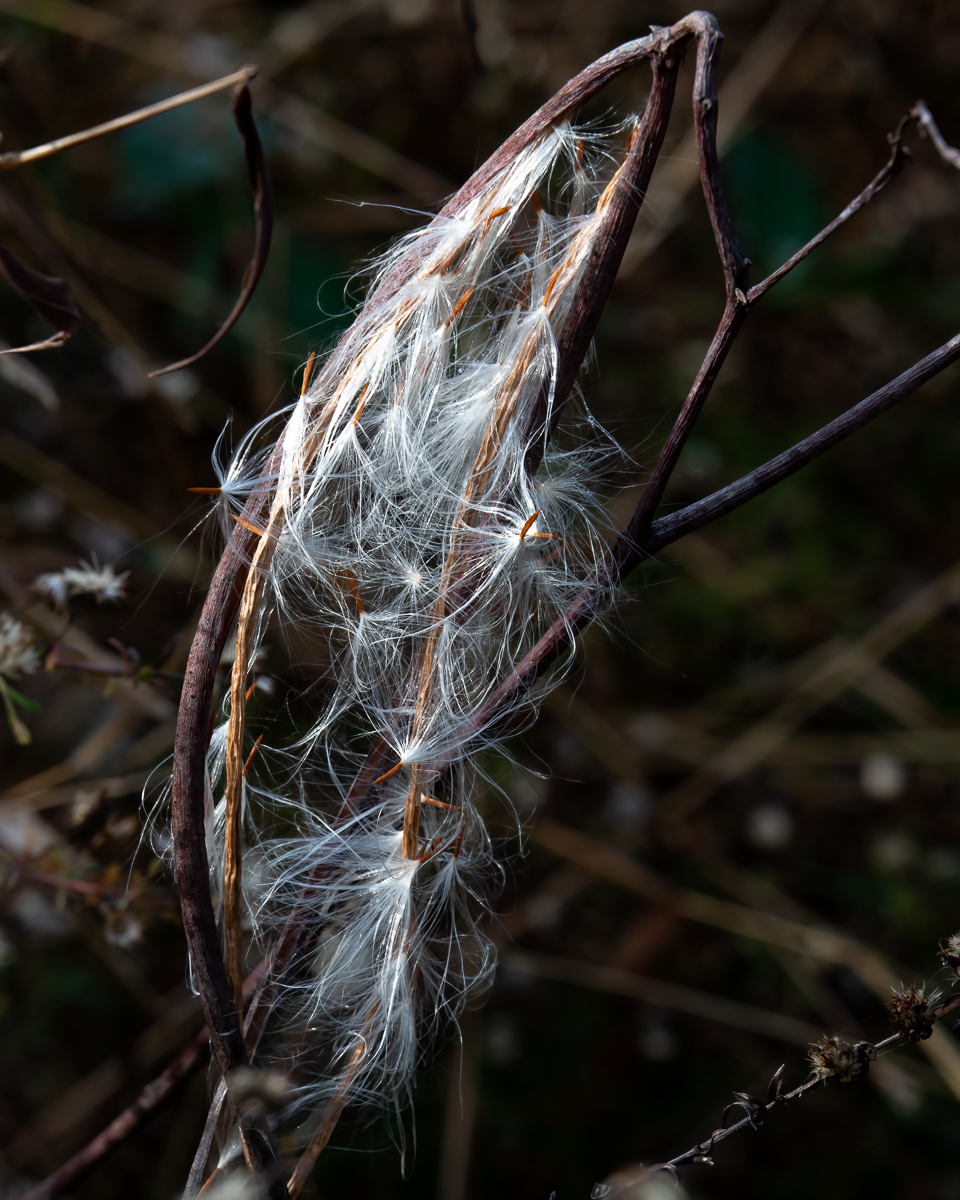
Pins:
x,y
18,656
90,579
54,587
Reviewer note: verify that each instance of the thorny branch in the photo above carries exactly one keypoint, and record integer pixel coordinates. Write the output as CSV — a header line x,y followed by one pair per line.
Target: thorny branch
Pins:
x,y
643,536
756,1111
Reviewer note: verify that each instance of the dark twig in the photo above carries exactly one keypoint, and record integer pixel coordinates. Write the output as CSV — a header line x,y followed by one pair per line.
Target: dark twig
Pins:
x,y
735,268
899,157
187,823
739,298
703,512
633,547
928,128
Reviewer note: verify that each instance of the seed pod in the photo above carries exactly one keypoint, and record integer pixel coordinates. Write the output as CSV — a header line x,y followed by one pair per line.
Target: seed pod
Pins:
x,y
911,1012
834,1056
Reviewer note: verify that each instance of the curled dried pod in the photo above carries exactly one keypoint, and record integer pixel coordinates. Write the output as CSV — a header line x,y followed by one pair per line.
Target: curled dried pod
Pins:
x,y
949,953
835,1057
911,1012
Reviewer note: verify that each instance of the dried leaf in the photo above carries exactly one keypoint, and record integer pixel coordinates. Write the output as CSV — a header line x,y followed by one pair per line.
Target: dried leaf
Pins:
x,y
259,179
49,295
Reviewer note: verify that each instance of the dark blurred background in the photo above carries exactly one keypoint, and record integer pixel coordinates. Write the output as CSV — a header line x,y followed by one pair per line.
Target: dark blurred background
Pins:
x,y
770,717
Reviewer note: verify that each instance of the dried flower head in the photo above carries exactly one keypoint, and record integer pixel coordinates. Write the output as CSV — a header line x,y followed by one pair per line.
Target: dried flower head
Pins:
x,y
18,655
911,1012
834,1056
89,579
93,580
949,954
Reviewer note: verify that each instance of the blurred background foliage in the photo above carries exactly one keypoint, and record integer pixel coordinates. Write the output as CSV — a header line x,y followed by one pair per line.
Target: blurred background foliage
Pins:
x,y
770,716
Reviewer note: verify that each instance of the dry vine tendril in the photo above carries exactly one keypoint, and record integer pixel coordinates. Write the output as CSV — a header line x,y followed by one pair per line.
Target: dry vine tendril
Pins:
x,y
424,508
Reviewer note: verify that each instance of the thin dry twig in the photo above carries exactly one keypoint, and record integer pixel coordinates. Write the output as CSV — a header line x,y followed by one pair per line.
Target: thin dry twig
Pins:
x,y
53,342
11,159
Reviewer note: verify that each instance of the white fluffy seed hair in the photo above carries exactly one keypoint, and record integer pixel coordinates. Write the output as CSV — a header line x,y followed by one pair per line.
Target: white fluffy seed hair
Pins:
x,y
421,548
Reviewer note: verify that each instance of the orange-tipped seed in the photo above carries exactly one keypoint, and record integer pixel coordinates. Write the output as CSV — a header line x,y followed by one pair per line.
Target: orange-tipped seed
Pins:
x,y
527,523
440,804
247,525
354,591
497,212
392,771
459,306
306,374
550,283
255,748
463,830
363,400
